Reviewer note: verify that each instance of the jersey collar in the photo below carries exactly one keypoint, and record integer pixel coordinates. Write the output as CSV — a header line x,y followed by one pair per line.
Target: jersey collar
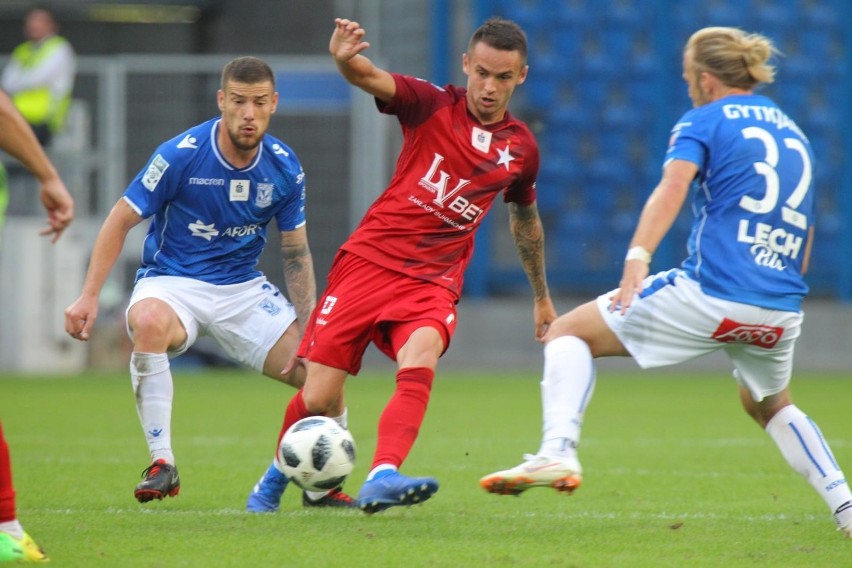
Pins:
x,y
214,144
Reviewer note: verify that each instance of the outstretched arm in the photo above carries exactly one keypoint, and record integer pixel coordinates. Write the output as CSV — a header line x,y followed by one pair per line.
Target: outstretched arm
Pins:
x,y
528,234
345,46
657,217
17,138
81,315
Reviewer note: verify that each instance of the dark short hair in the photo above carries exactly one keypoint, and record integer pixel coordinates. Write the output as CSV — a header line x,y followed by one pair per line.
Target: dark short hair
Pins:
x,y
501,34
249,70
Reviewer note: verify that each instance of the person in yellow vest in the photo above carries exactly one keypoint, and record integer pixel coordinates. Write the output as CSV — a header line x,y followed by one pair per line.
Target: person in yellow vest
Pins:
x,y
40,75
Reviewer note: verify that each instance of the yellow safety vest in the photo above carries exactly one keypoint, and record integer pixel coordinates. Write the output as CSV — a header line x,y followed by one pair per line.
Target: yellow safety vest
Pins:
x,y
38,105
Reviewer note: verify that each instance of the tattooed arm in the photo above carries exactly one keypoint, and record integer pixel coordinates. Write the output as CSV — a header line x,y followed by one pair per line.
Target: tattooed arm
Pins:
x,y
528,234
299,273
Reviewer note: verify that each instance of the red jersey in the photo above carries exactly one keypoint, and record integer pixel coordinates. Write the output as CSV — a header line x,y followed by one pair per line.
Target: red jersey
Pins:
x,y
448,173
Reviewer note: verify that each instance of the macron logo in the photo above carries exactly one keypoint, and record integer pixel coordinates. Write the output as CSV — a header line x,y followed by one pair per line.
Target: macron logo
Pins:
x,y
206,232
189,141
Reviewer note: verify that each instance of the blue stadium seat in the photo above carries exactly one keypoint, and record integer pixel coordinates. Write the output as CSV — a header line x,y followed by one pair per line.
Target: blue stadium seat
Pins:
x,y
824,13
570,116
593,59
607,52
627,106
554,138
573,13
791,95
557,173
623,13
568,42
539,91
573,230
527,13
690,15
644,61
825,48
774,13
593,92
821,109
812,54
826,240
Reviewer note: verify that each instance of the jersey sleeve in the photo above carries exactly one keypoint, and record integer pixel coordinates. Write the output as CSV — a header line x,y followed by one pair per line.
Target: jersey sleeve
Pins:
x,y
156,184
291,214
415,99
688,141
523,190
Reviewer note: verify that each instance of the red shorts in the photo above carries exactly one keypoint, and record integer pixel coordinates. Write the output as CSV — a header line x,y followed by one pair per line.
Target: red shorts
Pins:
x,y
366,302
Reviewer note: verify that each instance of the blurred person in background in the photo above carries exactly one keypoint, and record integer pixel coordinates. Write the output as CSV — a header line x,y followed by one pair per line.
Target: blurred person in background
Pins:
x,y
40,74
210,193
39,77
740,289
397,279
17,138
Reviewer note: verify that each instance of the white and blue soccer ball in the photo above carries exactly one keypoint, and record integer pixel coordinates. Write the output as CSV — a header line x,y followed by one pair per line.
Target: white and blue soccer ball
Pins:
x,y
317,454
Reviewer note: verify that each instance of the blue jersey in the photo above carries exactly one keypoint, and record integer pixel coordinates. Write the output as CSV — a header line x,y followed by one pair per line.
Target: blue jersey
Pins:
x,y
753,205
209,218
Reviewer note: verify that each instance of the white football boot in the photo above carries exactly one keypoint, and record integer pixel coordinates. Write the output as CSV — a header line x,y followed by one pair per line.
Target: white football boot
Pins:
x,y
843,518
562,474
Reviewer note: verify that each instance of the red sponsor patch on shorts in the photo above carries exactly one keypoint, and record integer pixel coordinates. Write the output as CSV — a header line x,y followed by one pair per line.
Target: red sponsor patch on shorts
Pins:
x,y
730,331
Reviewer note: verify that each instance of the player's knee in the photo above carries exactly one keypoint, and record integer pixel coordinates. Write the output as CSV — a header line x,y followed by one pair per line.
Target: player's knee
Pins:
x,y
320,403
148,323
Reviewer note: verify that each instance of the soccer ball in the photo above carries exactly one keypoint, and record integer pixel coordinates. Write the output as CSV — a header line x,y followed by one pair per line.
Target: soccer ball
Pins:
x,y
317,454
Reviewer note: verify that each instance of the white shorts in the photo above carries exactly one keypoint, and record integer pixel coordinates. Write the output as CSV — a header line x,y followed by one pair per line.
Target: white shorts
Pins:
x,y
246,319
674,321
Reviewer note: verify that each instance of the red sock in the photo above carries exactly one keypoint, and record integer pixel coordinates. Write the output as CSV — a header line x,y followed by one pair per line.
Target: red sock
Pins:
x,y
296,410
403,415
7,491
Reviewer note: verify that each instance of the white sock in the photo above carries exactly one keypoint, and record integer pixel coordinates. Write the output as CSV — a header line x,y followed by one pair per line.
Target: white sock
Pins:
x,y
566,388
802,445
342,419
152,384
380,468
13,528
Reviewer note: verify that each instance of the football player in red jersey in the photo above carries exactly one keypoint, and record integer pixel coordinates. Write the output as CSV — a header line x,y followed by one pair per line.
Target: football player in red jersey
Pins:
x,y
398,277
18,139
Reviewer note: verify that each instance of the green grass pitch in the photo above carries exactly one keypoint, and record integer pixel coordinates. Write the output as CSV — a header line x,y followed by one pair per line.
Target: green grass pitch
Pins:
x,y
675,475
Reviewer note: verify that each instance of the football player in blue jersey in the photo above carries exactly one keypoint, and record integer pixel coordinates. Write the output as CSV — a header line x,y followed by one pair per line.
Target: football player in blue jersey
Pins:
x,y
739,290
210,193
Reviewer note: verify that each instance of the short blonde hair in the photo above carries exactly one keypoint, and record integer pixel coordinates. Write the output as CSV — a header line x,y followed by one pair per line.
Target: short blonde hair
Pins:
x,y
737,58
